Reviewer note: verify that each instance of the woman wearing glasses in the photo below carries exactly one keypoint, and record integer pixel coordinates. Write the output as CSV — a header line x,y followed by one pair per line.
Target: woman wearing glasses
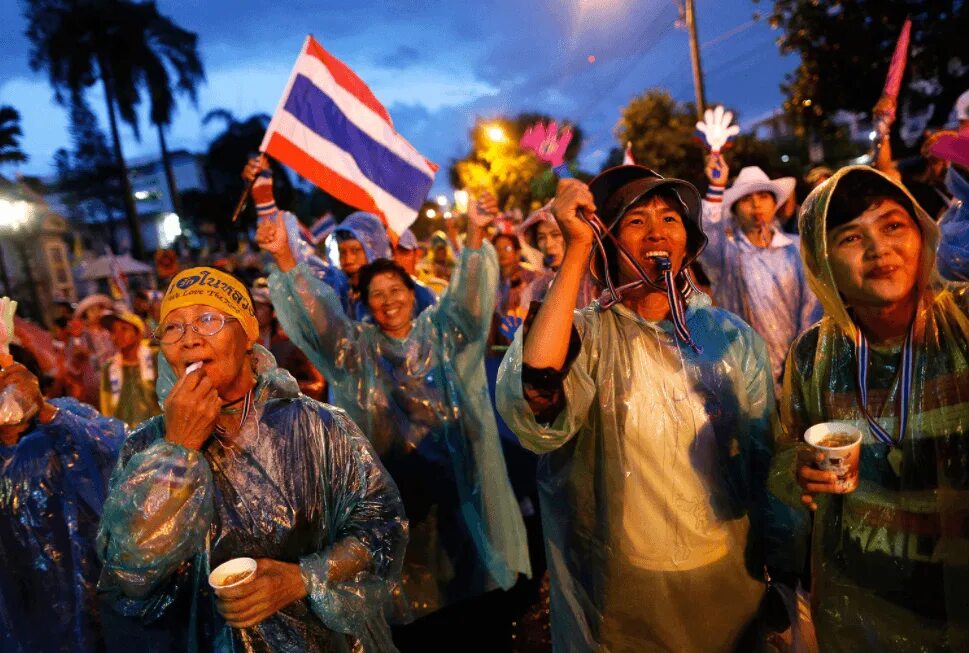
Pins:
x,y
241,464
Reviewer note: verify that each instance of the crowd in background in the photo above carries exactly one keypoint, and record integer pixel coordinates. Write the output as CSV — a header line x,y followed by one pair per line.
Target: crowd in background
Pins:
x,y
488,448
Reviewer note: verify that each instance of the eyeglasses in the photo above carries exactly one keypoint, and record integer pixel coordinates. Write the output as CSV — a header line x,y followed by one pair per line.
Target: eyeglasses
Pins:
x,y
206,324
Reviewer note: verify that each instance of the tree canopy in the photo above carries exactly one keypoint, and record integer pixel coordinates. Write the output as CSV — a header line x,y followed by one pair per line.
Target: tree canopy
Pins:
x,y
845,47
10,134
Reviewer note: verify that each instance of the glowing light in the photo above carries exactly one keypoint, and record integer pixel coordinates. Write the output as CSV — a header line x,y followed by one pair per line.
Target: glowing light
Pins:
x,y
785,158
872,135
496,134
142,194
442,200
447,215
14,215
431,213
169,229
461,201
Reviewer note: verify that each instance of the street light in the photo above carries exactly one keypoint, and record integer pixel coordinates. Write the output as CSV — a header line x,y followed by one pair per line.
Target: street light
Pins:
x,y
431,213
442,200
496,134
14,220
461,201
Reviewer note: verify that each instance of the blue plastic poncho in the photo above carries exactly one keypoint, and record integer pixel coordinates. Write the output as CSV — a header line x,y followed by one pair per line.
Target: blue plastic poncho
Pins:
x,y
890,561
423,402
52,486
653,480
953,257
299,484
766,287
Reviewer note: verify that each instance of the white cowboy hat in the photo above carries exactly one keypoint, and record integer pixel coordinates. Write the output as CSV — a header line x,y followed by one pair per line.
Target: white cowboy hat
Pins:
x,y
752,180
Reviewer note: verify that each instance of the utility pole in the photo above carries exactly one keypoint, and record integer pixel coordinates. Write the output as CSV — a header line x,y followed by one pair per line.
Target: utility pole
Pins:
x,y
695,58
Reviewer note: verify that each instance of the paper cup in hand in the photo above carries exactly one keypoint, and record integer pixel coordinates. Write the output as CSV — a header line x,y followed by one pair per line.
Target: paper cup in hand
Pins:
x,y
840,444
232,573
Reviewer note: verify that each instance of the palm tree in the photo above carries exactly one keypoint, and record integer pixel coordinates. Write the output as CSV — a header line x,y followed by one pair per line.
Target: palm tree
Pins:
x,y
10,134
125,46
169,44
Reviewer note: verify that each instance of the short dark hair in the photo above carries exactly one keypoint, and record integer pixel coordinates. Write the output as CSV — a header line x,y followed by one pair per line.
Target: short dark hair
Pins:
x,y
512,237
857,191
381,266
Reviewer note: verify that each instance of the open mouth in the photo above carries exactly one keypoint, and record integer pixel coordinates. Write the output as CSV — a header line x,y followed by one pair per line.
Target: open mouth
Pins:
x,y
657,253
882,272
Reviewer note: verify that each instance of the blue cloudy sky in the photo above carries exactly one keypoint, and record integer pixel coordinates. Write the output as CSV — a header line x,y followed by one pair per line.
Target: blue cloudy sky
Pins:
x,y
437,64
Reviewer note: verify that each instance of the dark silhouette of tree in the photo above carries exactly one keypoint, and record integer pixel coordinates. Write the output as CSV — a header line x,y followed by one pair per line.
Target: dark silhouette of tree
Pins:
x,y
845,47
10,134
123,45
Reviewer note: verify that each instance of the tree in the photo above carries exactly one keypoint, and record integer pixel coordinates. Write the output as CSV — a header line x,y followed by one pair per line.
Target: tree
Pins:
x,y
498,165
226,157
87,175
170,48
662,133
10,134
845,47
120,44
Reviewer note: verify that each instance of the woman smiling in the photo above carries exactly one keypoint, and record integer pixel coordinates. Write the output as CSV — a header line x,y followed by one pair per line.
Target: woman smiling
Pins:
x,y
241,464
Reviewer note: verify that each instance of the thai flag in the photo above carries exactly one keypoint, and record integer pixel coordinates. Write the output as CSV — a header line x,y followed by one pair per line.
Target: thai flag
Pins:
x,y
322,227
331,129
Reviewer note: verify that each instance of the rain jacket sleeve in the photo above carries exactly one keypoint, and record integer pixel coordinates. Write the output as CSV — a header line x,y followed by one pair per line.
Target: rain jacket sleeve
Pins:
x,y
469,300
578,385
352,580
313,317
52,488
157,513
953,255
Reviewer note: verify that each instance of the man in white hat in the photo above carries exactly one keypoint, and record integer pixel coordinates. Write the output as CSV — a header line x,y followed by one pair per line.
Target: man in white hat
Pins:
x,y
754,267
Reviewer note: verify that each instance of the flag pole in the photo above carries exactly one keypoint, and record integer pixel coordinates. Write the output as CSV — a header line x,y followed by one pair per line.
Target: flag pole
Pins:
x,y
241,204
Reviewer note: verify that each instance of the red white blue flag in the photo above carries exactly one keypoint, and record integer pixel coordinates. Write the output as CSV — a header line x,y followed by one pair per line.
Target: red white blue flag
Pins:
x,y
331,129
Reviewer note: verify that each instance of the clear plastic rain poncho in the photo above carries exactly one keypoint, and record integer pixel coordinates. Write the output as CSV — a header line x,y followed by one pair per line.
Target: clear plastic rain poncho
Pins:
x,y
423,401
653,479
299,484
766,287
953,260
891,559
52,486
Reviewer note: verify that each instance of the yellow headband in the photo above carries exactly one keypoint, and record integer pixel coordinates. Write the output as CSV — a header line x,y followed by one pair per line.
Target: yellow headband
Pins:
x,y
211,287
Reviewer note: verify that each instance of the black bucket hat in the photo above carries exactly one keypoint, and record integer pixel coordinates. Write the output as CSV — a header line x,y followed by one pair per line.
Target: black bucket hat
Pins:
x,y
618,189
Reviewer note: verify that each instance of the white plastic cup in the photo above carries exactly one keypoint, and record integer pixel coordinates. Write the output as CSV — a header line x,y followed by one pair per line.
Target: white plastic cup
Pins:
x,y
842,460
230,568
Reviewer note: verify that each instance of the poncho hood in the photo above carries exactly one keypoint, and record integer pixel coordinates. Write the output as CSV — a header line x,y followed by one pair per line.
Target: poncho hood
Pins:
x,y
814,244
369,230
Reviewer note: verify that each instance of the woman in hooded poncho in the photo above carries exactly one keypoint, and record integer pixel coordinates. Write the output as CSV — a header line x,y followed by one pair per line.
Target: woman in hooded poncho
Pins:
x,y
890,356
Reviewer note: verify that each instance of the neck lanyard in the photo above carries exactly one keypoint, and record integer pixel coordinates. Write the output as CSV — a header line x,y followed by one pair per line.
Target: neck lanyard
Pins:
x,y
246,409
906,371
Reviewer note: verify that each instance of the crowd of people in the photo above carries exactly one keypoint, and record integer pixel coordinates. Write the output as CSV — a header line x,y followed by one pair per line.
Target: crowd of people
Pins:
x,y
583,431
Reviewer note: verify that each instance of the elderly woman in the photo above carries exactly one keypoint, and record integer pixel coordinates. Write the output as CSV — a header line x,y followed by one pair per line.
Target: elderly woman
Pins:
x,y
417,387
242,465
